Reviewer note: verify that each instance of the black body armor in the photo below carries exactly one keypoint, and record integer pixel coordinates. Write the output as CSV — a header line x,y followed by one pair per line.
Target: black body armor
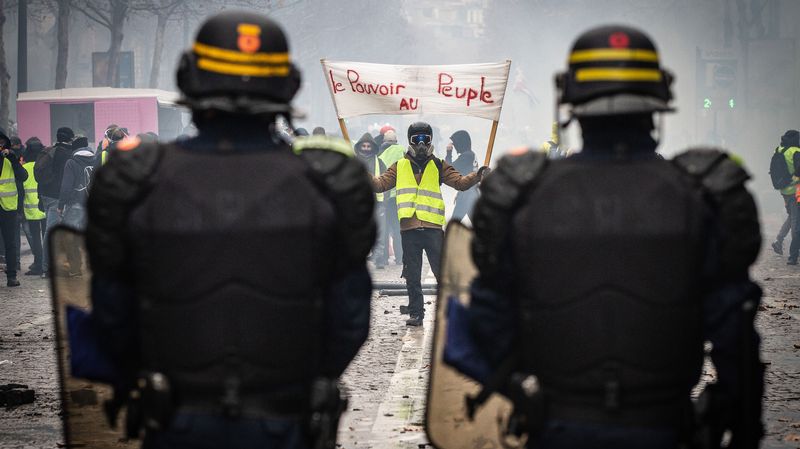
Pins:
x,y
611,296
252,237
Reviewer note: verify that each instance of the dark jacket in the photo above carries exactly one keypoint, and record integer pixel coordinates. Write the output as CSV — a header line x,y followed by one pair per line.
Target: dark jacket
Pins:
x,y
465,162
369,158
76,178
49,168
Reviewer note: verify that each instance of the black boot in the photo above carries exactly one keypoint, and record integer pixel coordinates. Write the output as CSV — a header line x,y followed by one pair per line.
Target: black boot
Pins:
x,y
12,282
415,321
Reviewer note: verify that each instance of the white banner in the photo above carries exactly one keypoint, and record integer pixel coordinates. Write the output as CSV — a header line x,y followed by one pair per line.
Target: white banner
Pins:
x,y
360,88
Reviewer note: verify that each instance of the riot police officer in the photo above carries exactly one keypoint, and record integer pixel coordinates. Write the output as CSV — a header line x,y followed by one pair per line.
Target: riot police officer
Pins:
x,y
230,283
602,275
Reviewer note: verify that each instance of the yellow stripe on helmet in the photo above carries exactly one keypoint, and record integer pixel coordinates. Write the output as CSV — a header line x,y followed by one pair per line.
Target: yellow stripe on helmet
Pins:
x,y
613,54
241,69
619,74
224,54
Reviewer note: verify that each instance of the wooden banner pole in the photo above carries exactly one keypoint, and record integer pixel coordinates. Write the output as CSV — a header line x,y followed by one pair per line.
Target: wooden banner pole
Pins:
x,y
344,130
491,143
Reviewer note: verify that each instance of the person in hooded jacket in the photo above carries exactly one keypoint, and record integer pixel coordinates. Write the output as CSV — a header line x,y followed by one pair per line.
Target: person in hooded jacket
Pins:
x,y
34,224
75,183
48,170
367,152
465,164
418,178
11,173
391,152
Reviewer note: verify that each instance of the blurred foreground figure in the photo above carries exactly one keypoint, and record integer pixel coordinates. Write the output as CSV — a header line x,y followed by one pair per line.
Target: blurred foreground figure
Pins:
x,y
230,287
602,275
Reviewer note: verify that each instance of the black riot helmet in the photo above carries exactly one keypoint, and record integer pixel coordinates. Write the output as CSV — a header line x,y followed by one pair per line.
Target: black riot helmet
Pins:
x,y
614,70
420,140
239,63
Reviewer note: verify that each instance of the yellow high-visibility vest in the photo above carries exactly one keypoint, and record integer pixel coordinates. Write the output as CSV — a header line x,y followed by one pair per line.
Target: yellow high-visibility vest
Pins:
x,y
788,154
8,187
423,199
378,196
31,200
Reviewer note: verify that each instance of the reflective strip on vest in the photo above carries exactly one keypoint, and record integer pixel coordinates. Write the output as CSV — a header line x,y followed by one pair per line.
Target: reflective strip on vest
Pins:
x,y
423,200
31,200
103,157
378,196
8,187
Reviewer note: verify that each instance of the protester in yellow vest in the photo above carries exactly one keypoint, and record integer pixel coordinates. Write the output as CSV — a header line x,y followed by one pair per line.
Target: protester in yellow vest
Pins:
x,y
418,177
34,217
367,153
11,173
391,152
790,149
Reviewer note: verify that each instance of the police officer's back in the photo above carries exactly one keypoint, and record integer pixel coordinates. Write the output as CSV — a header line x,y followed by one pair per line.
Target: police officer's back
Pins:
x,y
604,273
230,265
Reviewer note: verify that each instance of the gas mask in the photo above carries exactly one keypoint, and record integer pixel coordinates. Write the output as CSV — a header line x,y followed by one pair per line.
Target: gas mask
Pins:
x,y
420,146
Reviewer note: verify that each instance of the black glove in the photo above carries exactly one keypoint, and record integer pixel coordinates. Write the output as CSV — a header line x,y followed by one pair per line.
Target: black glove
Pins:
x,y
483,171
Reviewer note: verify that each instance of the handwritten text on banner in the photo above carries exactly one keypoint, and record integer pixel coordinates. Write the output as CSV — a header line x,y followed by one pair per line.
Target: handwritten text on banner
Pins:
x,y
360,88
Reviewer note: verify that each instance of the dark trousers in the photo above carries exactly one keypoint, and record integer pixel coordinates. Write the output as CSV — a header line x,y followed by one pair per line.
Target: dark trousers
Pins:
x,y
793,210
414,242
465,201
34,232
9,227
392,229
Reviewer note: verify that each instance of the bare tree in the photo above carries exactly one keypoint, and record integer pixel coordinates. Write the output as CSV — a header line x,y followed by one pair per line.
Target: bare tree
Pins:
x,y
111,14
163,10
62,41
4,76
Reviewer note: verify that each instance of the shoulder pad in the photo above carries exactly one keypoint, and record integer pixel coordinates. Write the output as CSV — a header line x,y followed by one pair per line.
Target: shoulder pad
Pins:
x,y
117,187
739,234
716,170
302,144
345,182
500,193
504,184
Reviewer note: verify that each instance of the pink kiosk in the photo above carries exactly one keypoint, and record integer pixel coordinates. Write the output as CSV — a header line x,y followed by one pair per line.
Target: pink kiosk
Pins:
x,y
88,111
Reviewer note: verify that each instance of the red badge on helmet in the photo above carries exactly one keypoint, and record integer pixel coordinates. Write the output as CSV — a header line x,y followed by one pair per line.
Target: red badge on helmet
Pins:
x,y
619,40
249,37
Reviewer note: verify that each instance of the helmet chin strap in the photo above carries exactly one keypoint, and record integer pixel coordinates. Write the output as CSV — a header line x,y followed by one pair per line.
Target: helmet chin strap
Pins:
x,y
658,129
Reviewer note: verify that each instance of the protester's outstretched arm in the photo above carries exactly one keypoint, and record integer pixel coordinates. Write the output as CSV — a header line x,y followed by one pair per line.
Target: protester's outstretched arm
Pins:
x,y
386,181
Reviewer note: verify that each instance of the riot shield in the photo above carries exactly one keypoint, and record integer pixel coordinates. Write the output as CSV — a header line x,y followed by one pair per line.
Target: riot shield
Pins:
x,y
447,422
82,401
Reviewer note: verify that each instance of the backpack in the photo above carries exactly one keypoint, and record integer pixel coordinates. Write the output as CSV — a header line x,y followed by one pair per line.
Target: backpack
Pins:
x,y
779,170
43,169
